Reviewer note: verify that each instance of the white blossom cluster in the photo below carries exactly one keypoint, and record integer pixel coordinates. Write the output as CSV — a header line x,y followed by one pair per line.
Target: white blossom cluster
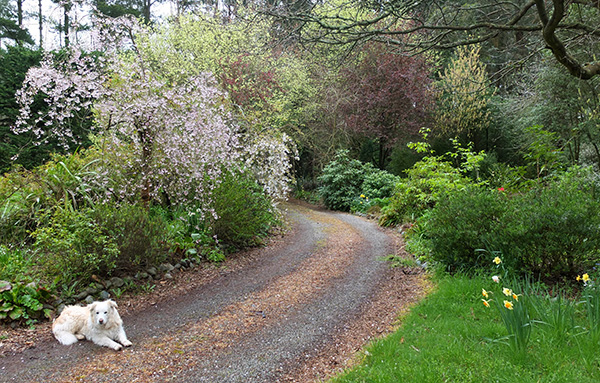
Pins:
x,y
166,138
269,157
67,87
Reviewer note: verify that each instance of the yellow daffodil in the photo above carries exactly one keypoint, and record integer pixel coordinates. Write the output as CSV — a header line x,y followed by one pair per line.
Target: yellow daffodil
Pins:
x,y
362,196
484,293
508,305
497,260
578,278
507,292
585,277
516,297
486,303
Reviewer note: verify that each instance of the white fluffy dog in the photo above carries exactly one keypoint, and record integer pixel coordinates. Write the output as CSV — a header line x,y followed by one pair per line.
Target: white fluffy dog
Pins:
x,y
99,322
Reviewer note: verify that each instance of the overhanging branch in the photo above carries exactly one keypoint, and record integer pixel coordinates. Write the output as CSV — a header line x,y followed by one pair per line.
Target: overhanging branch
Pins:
x,y
438,26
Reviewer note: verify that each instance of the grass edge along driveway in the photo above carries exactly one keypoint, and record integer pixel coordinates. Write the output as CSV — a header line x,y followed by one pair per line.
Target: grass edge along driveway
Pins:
x,y
450,336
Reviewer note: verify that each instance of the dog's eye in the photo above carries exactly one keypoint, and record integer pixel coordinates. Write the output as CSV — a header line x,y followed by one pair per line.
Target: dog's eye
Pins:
x,y
106,312
97,312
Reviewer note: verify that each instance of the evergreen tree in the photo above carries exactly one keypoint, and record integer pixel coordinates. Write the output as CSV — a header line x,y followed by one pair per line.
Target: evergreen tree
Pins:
x,y
11,21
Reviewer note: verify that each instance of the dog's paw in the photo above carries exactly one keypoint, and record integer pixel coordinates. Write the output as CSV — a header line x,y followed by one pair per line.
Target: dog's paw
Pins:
x,y
117,347
127,343
80,336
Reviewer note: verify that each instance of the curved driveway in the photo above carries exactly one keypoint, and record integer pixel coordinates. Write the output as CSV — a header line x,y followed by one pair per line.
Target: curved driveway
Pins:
x,y
256,324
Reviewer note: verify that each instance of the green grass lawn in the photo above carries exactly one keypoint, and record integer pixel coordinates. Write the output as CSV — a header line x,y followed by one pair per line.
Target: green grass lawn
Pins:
x,y
451,337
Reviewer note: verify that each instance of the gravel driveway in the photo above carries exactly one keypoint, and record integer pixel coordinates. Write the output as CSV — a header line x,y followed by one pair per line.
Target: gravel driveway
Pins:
x,y
296,310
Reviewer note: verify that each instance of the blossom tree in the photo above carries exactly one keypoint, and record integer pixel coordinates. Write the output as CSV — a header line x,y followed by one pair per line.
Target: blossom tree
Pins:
x,y
68,86
175,132
180,134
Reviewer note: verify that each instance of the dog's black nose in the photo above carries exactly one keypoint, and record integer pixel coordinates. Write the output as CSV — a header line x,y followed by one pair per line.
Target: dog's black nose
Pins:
x,y
101,320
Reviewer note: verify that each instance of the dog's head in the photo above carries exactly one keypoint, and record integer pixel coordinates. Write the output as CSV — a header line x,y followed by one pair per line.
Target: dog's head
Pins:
x,y
102,312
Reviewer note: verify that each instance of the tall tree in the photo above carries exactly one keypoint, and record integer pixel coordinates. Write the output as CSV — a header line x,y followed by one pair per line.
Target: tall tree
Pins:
x,y
464,93
388,97
560,26
11,22
20,13
64,26
138,8
41,23
116,8
14,63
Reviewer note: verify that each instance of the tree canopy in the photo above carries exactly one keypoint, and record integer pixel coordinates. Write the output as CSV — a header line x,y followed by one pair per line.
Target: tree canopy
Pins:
x,y
568,29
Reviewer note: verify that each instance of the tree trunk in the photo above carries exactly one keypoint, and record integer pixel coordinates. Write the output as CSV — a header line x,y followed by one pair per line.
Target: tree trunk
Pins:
x,y
20,13
67,8
41,23
146,11
146,142
19,18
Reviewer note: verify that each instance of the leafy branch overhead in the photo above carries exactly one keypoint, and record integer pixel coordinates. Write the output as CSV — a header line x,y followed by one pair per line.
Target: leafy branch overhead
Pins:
x,y
568,29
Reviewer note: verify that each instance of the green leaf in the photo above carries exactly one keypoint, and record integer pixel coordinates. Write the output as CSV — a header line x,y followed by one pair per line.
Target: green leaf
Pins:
x,y
17,313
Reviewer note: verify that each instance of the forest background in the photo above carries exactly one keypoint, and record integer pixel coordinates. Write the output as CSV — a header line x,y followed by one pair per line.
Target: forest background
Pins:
x,y
140,140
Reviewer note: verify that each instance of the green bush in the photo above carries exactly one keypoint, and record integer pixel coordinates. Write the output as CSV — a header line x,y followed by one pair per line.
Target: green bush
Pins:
x,y
20,202
346,184
379,184
550,232
73,247
553,231
341,181
245,214
143,239
430,179
15,264
426,182
461,223
106,240
67,180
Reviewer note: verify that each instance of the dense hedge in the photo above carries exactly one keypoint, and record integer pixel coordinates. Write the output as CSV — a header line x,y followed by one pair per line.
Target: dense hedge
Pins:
x,y
244,212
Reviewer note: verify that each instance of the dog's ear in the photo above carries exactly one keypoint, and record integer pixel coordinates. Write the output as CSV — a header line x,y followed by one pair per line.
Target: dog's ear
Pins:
x,y
113,303
92,307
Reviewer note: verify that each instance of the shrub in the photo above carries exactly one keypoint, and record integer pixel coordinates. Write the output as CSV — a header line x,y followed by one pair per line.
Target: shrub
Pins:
x,y
426,182
21,198
15,264
142,238
549,232
109,239
244,213
341,181
461,223
75,180
379,184
73,247
346,184
430,179
553,231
